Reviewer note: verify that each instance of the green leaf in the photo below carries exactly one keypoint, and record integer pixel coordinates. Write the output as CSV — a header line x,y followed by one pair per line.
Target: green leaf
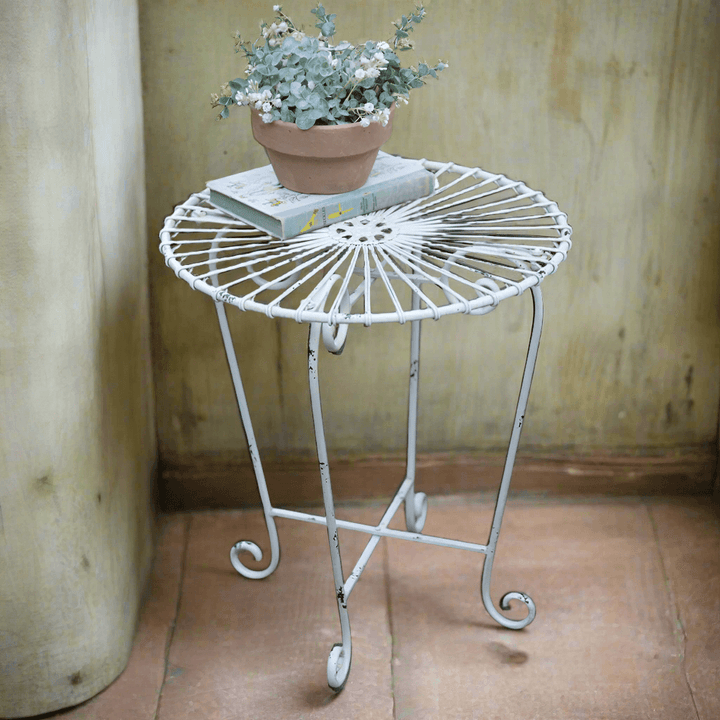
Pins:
x,y
318,103
304,120
289,45
225,112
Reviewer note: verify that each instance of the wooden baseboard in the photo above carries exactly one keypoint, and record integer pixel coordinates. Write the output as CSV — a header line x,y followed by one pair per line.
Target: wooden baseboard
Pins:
x,y
205,482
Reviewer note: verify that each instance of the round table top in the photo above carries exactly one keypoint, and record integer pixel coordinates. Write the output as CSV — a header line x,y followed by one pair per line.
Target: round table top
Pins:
x,y
478,239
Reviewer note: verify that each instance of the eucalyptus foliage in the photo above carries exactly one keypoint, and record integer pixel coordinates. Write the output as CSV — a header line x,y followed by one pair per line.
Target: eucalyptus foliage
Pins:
x,y
306,80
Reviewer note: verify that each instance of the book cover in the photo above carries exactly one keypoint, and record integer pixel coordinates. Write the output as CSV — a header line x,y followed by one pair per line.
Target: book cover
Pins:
x,y
256,197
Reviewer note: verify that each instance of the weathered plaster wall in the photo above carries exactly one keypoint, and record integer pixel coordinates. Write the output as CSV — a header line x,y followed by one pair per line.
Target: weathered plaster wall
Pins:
x,y
77,441
610,108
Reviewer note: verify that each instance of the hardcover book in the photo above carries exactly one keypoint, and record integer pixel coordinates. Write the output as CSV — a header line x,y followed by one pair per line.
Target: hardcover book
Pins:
x,y
257,197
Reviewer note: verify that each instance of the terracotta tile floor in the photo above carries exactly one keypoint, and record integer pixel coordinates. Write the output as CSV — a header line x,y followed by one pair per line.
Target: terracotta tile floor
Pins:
x,y
628,624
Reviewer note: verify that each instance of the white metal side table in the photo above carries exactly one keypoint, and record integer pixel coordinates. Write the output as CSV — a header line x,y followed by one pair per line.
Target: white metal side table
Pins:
x,y
479,239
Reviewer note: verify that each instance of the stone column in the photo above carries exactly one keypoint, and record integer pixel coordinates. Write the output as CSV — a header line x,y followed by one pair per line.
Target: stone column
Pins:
x,y
77,439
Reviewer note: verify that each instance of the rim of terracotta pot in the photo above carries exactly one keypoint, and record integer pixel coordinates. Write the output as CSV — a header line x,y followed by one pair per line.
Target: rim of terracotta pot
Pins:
x,y
320,140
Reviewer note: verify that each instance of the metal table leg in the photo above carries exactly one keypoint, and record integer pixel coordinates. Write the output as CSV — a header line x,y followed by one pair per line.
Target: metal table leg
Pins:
x,y
248,545
339,660
505,482
338,667
416,504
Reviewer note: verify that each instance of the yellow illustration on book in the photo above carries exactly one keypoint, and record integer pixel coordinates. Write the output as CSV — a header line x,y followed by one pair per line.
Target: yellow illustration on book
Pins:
x,y
311,222
339,213
332,216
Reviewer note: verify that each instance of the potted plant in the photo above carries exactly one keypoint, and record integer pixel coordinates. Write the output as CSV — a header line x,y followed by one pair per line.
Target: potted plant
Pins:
x,y
320,110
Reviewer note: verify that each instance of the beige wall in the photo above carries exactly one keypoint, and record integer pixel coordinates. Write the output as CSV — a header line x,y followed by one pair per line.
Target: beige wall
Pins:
x,y
77,442
610,108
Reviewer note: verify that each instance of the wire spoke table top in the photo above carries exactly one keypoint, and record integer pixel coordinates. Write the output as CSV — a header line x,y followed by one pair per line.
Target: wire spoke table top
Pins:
x,y
478,239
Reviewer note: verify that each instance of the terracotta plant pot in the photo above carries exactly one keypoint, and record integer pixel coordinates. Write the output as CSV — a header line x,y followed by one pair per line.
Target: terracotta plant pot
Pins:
x,y
324,160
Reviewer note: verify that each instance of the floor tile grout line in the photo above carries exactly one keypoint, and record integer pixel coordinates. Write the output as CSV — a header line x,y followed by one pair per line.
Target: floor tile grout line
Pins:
x,y
391,629
173,622
673,601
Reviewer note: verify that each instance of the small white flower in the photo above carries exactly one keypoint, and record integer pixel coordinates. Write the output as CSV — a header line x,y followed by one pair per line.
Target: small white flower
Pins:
x,y
365,122
334,62
282,27
383,45
258,105
373,73
277,102
267,118
359,73
368,107
266,94
311,84
267,107
273,43
277,8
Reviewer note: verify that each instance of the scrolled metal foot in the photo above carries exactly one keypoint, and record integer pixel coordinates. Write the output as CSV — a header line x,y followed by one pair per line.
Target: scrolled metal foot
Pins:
x,y
250,547
504,602
522,597
416,512
338,666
